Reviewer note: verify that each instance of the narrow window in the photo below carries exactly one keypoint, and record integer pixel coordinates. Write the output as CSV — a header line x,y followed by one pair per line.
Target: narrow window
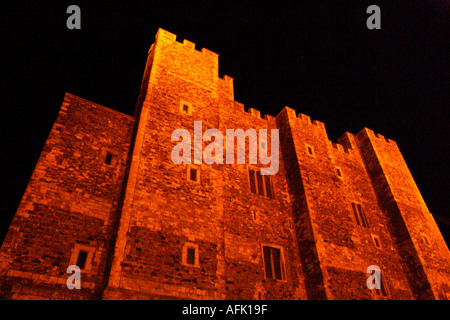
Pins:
x,y
339,172
251,175
356,214
310,150
254,213
185,107
260,184
193,174
425,240
383,287
108,158
363,216
268,262
259,179
273,263
376,241
81,259
82,256
268,186
276,256
190,256
360,216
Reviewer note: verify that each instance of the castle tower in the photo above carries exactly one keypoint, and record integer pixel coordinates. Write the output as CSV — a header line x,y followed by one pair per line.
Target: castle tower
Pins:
x,y
416,235
166,213
66,215
107,196
340,228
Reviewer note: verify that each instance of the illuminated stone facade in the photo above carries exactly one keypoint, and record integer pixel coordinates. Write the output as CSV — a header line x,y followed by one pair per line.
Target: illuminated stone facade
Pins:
x,y
105,194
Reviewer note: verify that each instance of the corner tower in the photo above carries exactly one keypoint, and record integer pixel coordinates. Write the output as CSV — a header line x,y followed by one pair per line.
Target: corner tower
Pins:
x,y
416,234
213,218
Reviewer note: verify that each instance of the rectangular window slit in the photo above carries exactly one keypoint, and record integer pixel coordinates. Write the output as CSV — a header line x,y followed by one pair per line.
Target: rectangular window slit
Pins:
x,y
190,256
273,264
259,179
251,174
108,158
193,174
82,258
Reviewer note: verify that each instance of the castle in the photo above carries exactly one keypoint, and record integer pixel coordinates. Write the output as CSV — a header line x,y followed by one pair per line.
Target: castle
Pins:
x,y
105,196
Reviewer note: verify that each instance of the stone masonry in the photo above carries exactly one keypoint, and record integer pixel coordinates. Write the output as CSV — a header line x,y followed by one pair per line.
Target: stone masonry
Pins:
x,y
105,187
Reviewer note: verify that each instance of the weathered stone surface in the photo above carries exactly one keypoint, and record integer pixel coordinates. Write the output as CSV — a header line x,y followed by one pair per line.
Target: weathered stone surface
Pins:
x,y
140,213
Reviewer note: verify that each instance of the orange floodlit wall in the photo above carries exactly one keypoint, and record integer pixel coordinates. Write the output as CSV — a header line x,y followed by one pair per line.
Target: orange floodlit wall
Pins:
x,y
107,196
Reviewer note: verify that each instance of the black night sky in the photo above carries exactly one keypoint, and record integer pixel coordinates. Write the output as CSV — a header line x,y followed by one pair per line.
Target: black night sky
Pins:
x,y
316,57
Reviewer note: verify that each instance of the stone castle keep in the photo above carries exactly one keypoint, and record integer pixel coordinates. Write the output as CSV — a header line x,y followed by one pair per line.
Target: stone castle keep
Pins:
x,y
106,196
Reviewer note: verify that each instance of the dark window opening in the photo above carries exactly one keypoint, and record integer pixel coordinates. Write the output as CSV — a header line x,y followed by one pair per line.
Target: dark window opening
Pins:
x,y
255,217
358,222
252,181
268,187
377,242
259,178
108,158
193,174
185,108
190,256
339,172
260,184
273,264
382,291
363,216
360,216
82,258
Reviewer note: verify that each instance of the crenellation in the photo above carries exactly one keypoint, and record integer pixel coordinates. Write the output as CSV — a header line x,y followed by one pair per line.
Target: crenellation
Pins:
x,y
254,112
160,230
308,120
348,141
316,122
304,117
188,44
269,117
165,34
228,78
338,146
379,136
210,53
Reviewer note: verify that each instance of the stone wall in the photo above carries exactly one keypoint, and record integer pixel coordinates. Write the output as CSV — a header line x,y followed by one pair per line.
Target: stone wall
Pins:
x,y
70,199
138,215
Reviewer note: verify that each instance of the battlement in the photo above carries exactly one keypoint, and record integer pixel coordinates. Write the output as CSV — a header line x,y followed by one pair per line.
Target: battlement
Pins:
x,y
307,119
204,55
253,112
106,188
166,36
339,147
379,136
